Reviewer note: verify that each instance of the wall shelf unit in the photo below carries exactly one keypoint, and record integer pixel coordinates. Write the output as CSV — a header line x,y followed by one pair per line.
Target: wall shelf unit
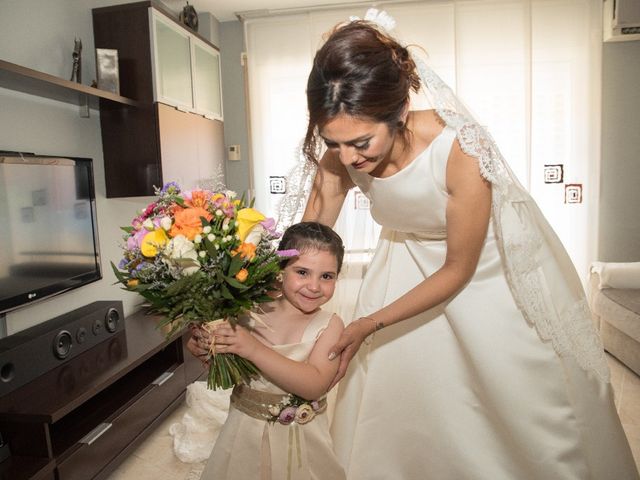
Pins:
x,y
23,79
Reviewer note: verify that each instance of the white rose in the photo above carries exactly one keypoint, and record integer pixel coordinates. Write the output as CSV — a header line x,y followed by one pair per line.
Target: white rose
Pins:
x,y
206,230
165,223
197,239
255,235
230,194
148,224
182,257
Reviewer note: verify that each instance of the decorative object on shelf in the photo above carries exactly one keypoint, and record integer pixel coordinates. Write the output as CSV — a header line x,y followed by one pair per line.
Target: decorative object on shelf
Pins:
x,y
76,71
198,256
189,17
553,173
107,70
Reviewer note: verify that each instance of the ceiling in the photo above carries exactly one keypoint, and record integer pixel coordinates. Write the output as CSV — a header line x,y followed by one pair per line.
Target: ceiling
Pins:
x,y
225,10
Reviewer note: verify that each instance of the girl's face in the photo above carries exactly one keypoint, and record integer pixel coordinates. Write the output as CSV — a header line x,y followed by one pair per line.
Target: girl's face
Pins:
x,y
310,279
363,144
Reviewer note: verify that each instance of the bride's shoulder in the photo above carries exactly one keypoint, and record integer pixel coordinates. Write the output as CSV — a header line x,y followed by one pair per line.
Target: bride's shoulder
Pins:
x,y
425,124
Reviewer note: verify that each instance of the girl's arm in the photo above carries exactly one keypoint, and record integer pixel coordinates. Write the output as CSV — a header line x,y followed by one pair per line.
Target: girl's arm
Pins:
x,y
467,216
330,187
309,380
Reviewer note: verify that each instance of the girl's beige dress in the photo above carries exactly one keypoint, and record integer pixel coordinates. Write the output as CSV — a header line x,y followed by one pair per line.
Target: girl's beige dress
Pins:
x,y
253,449
466,390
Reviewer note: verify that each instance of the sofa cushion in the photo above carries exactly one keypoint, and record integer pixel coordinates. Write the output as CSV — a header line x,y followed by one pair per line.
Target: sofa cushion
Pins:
x,y
627,298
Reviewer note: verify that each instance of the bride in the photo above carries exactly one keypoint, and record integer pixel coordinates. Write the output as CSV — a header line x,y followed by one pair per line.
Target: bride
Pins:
x,y
472,355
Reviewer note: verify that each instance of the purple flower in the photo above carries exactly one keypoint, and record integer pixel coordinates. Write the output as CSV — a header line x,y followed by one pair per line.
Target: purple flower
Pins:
x,y
171,187
287,415
288,253
122,264
315,405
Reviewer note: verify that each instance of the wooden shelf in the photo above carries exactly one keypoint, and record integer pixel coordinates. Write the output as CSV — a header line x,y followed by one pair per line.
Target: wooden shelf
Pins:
x,y
16,77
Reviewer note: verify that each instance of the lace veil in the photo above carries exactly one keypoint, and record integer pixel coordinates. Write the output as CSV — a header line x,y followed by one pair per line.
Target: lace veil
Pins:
x,y
540,274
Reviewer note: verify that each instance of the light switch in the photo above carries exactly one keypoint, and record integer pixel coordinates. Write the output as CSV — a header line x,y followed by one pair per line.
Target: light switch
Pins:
x,y
234,152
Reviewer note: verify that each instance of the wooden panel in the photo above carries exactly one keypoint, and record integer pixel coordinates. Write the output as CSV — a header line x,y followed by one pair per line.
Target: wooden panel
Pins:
x,y
126,29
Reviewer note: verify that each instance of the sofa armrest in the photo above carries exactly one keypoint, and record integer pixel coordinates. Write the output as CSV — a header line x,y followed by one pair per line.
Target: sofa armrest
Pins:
x,y
615,275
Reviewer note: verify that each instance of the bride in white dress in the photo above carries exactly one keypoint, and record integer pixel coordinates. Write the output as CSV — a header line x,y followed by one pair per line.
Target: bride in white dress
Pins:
x,y
472,355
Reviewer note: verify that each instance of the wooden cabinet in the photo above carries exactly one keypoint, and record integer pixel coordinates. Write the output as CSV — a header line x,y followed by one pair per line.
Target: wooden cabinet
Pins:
x,y
163,65
81,419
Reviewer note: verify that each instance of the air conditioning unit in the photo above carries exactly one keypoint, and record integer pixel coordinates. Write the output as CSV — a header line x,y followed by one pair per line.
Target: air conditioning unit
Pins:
x,y
621,20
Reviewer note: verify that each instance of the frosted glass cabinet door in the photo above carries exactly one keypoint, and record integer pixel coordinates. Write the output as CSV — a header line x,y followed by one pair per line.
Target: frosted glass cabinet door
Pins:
x,y
172,63
206,80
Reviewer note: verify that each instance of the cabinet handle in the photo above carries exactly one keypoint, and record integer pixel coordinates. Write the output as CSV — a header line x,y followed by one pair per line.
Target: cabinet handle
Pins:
x,y
96,433
162,378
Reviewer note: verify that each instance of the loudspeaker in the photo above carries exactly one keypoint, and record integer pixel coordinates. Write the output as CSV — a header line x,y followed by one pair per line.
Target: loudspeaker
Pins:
x,y
31,353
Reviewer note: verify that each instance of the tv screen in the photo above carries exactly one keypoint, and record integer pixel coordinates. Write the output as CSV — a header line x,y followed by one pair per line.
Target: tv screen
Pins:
x,y
48,234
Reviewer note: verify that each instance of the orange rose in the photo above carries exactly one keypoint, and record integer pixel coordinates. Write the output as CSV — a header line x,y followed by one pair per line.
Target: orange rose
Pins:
x,y
242,275
187,222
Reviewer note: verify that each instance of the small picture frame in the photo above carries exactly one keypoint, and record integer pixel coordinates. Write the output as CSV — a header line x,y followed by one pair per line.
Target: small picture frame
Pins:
x,y
107,70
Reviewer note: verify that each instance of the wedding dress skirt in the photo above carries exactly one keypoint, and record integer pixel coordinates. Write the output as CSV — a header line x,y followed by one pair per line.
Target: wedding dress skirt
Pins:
x,y
466,390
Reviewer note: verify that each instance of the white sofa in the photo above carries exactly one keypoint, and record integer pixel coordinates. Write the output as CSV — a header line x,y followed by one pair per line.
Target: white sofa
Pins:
x,y
614,295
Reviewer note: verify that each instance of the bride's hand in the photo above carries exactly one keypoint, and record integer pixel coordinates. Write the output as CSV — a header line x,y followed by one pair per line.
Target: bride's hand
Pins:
x,y
348,344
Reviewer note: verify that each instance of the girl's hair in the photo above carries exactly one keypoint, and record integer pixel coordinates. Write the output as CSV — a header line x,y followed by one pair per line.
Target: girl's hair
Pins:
x,y
361,72
307,236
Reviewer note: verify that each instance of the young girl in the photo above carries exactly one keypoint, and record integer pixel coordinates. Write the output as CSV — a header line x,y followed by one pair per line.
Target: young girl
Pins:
x,y
271,431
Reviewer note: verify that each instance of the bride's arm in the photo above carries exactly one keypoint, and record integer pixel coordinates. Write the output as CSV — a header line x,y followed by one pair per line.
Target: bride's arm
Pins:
x,y
330,187
467,216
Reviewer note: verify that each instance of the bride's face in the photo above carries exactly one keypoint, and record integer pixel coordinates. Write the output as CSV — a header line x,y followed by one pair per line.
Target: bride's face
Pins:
x,y
363,144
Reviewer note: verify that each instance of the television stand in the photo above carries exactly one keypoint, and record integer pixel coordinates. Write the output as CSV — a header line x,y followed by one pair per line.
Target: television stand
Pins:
x,y
81,419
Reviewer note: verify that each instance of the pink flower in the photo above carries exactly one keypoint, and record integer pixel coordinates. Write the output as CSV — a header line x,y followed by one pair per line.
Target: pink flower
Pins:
x,y
287,415
135,240
315,405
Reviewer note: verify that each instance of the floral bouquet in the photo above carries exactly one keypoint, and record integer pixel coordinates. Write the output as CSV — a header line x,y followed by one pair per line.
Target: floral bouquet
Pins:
x,y
198,256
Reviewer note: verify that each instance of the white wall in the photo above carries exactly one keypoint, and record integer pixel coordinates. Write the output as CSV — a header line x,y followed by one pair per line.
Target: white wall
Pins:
x,y
39,34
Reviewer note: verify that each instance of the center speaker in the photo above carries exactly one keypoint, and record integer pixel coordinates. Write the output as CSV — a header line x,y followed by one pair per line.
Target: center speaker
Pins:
x,y
26,355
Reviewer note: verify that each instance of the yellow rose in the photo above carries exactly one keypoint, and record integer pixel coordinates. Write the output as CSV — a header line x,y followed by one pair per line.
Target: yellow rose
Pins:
x,y
133,282
247,219
152,241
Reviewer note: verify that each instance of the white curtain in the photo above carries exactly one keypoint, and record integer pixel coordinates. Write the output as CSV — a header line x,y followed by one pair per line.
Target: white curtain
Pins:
x,y
528,69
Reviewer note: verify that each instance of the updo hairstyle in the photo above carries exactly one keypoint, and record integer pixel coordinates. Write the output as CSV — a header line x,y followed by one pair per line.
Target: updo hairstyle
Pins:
x,y
361,72
309,236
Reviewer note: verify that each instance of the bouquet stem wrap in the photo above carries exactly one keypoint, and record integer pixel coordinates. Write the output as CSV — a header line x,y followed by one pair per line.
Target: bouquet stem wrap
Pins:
x,y
226,369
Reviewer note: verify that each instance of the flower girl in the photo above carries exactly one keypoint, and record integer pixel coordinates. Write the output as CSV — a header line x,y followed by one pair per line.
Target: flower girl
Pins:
x,y
276,428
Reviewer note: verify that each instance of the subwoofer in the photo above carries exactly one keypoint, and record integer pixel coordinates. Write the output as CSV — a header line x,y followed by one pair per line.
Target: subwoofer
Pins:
x,y
28,354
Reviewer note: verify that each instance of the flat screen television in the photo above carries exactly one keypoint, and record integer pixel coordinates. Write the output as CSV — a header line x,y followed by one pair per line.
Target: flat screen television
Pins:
x,y
48,227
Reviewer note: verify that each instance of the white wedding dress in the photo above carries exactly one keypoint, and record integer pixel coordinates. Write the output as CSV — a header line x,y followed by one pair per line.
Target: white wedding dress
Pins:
x,y
466,390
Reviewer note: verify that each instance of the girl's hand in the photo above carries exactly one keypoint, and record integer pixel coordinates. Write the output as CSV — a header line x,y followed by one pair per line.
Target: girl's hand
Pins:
x,y
199,343
236,340
348,344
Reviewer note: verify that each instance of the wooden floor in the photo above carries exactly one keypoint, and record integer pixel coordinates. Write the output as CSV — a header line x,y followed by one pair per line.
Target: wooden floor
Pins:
x,y
154,459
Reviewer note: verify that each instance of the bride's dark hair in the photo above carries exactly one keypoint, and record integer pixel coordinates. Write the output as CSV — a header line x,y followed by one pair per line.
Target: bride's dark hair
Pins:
x,y
361,72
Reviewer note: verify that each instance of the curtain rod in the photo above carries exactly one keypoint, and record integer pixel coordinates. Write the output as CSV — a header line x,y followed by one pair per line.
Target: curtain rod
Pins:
x,y
272,12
